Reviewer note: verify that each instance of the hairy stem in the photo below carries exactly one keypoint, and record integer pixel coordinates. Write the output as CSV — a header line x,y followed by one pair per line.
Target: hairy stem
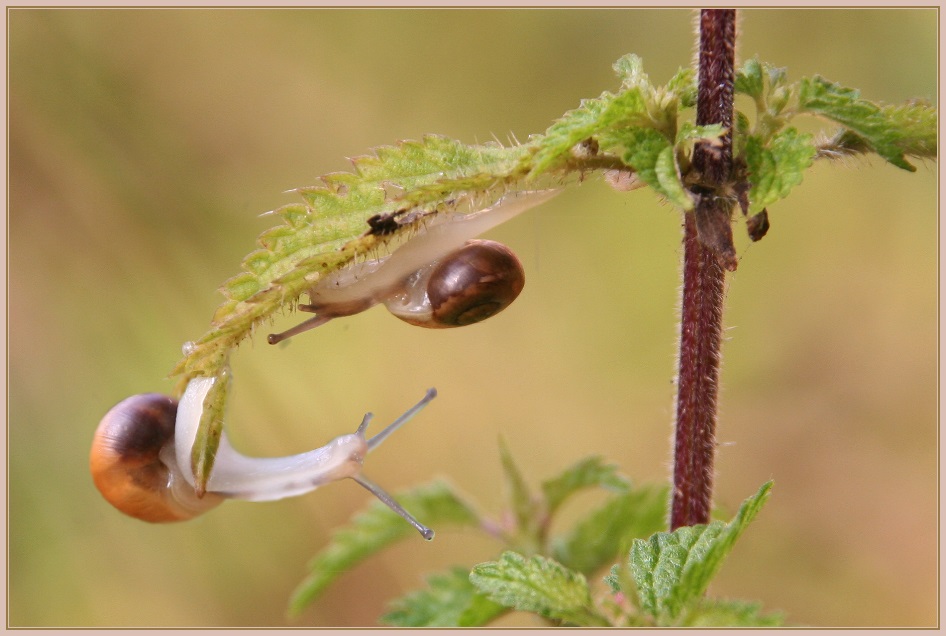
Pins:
x,y
707,254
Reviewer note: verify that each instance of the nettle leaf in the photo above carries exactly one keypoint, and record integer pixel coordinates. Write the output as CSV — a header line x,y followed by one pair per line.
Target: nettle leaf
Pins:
x,y
585,474
683,86
672,570
749,80
523,504
915,125
657,566
893,132
630,70
651,155
591,118
726,613
210,426
775,168
607,531
537,585
376,528
450,600
780,92
741,127
768,88
635,104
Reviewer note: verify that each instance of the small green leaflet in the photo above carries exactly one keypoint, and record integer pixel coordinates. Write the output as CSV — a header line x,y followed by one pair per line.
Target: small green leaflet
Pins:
x,y
651,155
522,504
775,168
601,535
892,131
672,569
538,585
585,474
449,600
726,613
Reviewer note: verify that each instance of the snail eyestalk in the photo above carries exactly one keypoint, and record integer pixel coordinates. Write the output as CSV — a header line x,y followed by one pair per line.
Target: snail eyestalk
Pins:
x,y
311,323
389,501
375,441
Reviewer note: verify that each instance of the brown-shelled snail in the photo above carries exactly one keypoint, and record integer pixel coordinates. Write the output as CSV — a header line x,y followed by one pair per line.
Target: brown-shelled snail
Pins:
x,y
143,442
439,278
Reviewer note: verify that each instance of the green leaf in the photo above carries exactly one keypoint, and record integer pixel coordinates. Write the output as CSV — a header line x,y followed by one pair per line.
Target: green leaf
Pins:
x,y
591,118
210,428
700,577
915,126
725,613
376,528
673,569
891,131
658,564
780,93
613,579
652,157
623,599
525,507
630,69
765,84
776,168
749,80
537,585
450,600
689,131
740,133
683,86
601,536
585,474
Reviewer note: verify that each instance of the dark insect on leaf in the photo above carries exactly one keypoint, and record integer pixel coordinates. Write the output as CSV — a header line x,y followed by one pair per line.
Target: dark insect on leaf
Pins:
x,y
587,148
382,224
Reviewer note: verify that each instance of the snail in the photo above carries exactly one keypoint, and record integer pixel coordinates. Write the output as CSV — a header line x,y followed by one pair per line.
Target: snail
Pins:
x,y
439,278
141,444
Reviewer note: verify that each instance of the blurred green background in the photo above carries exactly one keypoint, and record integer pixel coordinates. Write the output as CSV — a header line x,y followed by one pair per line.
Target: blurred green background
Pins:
x,y
144,144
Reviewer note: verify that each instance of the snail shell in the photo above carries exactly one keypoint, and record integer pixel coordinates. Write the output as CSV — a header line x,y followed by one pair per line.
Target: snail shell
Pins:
x,y
467,286
133,464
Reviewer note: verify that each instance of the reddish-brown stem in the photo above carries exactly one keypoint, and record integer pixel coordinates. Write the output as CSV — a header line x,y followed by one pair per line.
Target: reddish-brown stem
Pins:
x,y
706,255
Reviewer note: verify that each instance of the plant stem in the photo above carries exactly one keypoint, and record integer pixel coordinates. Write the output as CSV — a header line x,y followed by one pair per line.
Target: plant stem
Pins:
x,y
707,253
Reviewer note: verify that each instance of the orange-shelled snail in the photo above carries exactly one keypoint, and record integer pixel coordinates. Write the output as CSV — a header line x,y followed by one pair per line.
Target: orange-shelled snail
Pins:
x,y
142,442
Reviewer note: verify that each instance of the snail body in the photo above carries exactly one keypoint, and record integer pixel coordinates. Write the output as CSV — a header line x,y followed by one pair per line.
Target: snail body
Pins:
x,y
432,261
143,442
